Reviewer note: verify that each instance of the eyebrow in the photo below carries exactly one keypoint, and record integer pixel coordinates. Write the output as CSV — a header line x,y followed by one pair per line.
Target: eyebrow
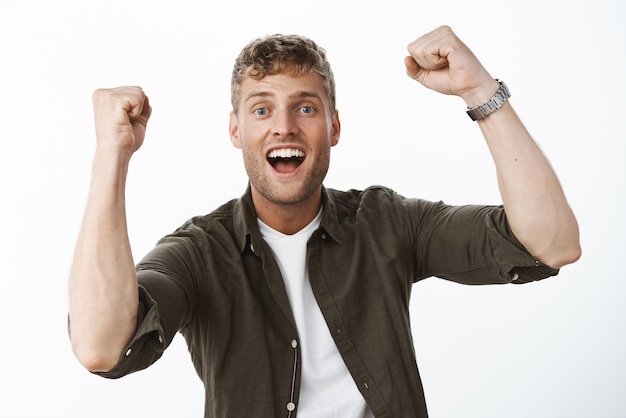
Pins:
x,y
303,94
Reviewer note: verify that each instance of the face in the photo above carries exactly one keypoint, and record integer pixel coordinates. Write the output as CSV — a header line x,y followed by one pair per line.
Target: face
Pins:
x,y
285,129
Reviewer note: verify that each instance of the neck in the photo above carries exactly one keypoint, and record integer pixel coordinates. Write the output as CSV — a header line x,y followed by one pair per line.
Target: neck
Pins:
x,y
287,218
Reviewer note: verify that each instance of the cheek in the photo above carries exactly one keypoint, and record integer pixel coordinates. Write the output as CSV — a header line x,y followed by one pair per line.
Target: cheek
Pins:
x,y
252,133
252,157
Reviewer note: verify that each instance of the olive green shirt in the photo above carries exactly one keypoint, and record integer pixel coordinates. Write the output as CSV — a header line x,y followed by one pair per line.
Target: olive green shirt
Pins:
x,y
215,280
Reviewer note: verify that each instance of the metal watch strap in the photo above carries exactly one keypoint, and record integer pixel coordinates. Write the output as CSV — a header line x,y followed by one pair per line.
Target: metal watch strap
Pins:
x,y
493,104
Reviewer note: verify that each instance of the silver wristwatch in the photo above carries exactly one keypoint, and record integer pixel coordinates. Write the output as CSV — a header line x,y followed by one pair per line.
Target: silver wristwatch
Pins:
x,y
493,104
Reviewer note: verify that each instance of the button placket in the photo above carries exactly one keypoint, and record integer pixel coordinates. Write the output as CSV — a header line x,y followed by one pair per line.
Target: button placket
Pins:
x,y
291,405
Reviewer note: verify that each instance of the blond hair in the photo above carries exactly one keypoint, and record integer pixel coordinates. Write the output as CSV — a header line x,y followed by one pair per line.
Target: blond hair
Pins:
x,y
279,54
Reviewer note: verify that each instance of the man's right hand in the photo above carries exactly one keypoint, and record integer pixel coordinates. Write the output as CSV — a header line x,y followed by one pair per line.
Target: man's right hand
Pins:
x,y
121,115
103,292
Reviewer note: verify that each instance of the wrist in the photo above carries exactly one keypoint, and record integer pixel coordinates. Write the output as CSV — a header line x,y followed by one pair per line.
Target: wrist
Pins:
x,y
481,94
490,105
108,152
110,166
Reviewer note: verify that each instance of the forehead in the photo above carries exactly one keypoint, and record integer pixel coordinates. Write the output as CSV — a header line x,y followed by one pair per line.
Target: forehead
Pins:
x,y
284,86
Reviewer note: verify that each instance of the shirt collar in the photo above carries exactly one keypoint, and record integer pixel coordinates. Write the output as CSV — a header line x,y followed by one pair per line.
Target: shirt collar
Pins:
x,y
247,234
330,218
244,218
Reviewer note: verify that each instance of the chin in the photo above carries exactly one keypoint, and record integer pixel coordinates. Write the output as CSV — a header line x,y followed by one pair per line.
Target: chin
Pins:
x,y
289,195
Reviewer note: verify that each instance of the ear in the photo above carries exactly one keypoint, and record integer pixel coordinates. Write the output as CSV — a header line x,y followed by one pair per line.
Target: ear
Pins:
x,y
234,130
335,129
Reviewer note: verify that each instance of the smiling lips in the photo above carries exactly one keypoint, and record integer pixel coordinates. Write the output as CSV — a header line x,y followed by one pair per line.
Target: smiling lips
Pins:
x,y
285,160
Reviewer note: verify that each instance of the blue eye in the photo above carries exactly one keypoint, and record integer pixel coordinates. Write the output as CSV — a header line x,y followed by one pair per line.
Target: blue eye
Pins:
x,y
307,109
260,111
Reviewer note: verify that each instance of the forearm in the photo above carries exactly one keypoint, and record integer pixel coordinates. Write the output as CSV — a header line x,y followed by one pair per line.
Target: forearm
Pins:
x,y
536,207
103,284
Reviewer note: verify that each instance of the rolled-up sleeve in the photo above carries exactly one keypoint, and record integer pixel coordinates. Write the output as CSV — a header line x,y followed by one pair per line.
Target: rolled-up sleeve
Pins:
x,y
146,346
514,262
470,244
167,279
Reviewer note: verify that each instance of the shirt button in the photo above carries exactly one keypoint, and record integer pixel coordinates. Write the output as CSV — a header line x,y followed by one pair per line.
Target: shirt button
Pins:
x,y
294,344
291,406
130,350
324,236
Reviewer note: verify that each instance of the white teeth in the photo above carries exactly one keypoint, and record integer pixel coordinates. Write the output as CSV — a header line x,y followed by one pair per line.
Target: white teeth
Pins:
x,y
286,153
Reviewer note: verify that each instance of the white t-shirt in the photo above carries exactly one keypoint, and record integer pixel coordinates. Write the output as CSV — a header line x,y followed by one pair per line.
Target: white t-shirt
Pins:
x,y
327,388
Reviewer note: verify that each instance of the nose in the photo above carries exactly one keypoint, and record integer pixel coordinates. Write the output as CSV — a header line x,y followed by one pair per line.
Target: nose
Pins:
x,y
284,124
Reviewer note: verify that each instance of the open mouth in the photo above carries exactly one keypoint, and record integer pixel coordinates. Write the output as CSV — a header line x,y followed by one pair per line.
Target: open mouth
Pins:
x,y
285,160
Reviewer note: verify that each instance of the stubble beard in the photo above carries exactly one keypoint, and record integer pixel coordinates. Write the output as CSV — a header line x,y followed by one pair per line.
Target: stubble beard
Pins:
x,y
292,193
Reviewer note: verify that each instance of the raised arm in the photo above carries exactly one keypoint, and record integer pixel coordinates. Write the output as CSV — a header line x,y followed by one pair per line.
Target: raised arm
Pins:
x,y
534,202
103,283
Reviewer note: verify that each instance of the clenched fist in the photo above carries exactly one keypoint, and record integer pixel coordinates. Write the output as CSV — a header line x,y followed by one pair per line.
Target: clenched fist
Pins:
x,y
440,61
121,115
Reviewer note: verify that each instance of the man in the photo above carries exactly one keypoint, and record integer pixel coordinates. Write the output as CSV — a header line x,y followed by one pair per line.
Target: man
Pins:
x,y
294,299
